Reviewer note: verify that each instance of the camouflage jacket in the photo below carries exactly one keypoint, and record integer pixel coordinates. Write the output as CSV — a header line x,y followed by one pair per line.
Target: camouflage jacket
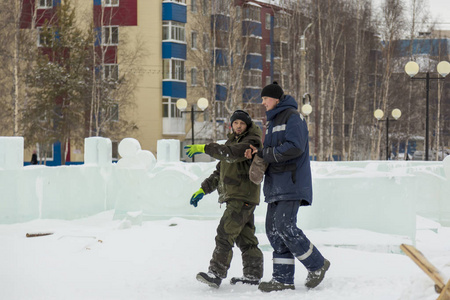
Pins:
x,y
231,177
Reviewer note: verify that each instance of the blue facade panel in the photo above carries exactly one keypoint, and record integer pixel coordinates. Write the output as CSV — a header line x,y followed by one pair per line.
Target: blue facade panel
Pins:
x,y
254,62
174,12
173,50
251,28
221,93
98,36
432,47
174,89
252,95
222,22
97,2
221,59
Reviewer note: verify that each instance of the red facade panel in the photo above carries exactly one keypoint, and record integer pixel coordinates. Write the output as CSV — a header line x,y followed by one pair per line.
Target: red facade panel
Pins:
x,y
28,11
124,15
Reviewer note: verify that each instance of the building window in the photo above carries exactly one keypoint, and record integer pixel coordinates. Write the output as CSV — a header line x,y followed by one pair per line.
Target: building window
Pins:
x,y
220,7
173,69
268,54
254,45
281,20
110,35
205,77
194,6
268,81
115,112
111,72
252,13
176,1
170,109
221,75
280,49
43,39
45,151
285,81
193,76
268,21
205,42
238,46
44,4
111,2
194,40
220,110
173,31
205,7
252,78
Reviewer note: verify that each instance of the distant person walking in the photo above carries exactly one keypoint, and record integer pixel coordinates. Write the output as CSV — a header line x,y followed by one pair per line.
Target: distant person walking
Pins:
x,y
287,186
231,180
34,160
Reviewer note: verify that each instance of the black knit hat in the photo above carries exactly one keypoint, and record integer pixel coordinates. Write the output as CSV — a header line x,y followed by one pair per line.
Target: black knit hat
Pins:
x,y
241,115
272,90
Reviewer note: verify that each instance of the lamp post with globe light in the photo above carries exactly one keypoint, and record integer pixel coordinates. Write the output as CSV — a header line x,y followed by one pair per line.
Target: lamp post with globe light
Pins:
x,y
306,107
202,103
412,68
378,114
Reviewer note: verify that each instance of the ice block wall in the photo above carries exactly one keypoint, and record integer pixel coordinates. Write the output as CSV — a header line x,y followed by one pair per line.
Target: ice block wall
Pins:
x,y
382,196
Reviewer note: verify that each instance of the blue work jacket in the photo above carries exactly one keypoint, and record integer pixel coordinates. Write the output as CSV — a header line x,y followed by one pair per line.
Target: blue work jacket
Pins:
x,y
286,149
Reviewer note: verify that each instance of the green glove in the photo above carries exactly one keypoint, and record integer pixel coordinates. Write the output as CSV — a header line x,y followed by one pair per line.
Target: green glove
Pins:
x,y
198,195
192,150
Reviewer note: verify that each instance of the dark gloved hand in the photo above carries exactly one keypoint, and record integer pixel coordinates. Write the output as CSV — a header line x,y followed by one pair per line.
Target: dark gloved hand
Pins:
x,y
198,195
192,150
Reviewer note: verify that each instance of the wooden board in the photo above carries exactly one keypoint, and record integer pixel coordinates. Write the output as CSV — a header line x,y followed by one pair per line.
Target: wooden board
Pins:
x,y
429,269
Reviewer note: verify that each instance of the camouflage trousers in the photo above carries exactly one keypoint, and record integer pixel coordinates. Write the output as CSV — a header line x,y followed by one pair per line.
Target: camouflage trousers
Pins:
x,y
237,225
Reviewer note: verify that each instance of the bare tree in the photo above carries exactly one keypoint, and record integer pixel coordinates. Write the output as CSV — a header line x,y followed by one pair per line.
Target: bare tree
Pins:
x,y
392,28
16,55
221,53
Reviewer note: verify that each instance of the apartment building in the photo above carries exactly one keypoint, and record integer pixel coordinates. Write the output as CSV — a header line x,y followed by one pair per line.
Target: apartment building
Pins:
x,y
167,72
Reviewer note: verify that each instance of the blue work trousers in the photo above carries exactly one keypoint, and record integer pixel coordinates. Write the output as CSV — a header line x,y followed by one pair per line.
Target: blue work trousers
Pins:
x,y
289,242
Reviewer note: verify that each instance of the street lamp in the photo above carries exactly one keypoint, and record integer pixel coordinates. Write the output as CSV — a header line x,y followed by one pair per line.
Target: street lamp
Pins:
x,y
303,76
202,103
412,68
378,114
306,107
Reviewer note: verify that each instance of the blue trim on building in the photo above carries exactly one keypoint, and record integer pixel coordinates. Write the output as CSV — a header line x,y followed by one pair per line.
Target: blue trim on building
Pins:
x,y
98,36
97,2
173,50
174,89
174,12
221,93
254,62
251,28
221,57
432,47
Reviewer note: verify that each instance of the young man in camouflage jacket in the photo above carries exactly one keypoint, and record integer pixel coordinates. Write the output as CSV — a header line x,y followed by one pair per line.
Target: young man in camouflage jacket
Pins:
x,y
231,179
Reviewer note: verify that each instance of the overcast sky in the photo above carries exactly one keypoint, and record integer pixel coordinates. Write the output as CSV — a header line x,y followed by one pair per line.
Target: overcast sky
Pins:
x,y
440,9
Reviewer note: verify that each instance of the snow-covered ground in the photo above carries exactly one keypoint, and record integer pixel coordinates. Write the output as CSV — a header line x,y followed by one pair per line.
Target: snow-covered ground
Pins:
x,y
98,258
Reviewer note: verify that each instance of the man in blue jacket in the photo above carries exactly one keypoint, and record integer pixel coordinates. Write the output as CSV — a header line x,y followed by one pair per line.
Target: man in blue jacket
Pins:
x,y
287,186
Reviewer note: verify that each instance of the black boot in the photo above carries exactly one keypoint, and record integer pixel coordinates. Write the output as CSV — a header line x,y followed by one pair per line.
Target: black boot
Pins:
x,y
210,279
315,277
244,280
274,286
